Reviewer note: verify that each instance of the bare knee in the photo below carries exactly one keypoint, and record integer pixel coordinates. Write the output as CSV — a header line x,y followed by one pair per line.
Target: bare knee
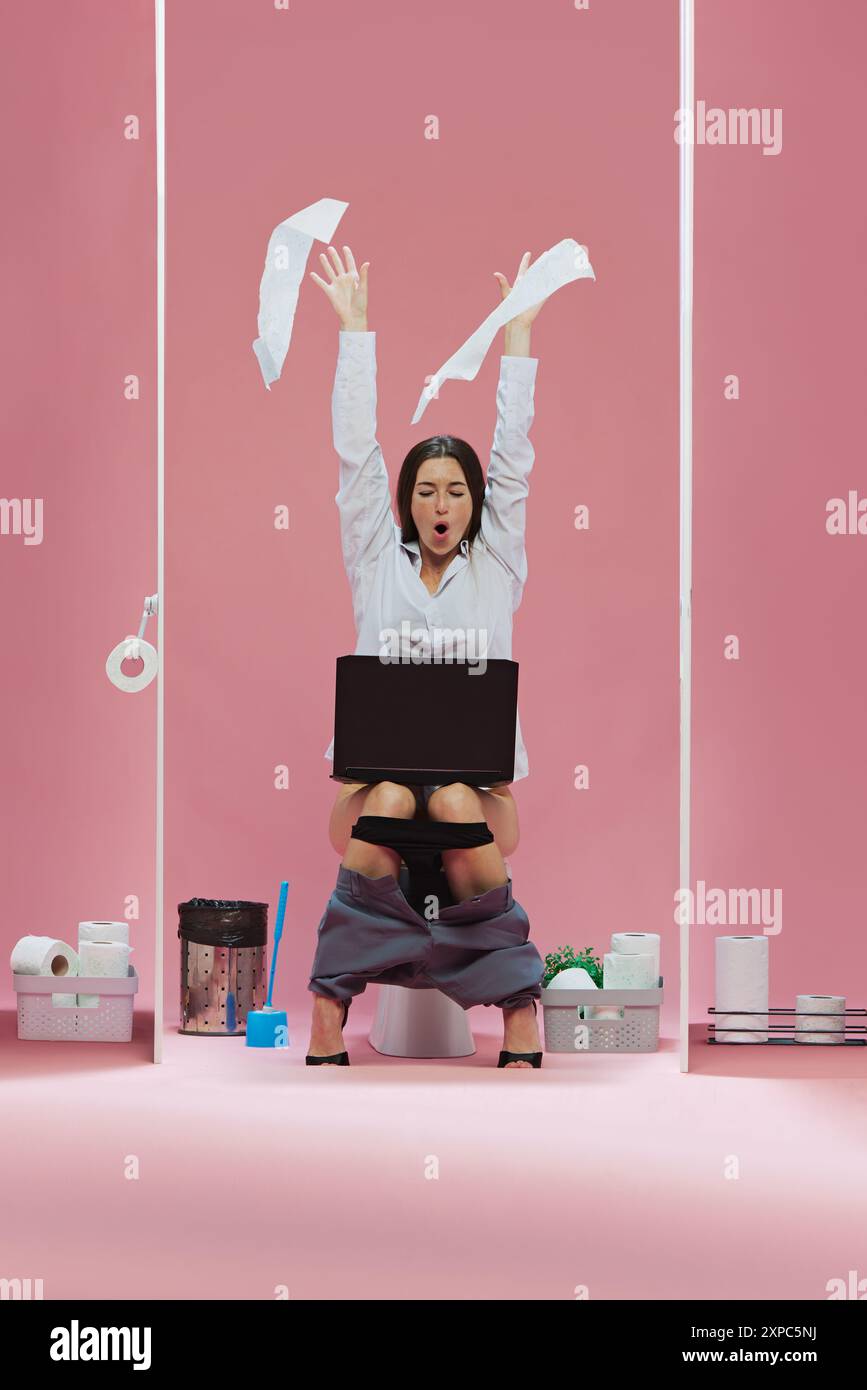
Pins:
x,y
455,802
390,799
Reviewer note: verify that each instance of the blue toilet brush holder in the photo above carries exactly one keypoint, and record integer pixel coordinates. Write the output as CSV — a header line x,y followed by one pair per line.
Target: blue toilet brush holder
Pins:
x,y
268,1027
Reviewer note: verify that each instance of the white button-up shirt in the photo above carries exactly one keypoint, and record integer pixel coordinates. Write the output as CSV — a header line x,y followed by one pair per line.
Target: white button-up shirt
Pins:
x,y
484,583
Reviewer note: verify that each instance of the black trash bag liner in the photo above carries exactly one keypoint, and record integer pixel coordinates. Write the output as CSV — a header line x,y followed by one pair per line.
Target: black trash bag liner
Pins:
x,y
223,922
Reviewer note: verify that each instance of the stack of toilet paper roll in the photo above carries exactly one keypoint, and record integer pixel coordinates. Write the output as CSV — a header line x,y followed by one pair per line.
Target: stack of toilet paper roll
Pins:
x,y
632,963
828,1027
103,950
742,978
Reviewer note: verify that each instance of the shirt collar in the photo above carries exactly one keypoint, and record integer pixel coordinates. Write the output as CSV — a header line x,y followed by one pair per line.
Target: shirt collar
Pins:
x,y
415,549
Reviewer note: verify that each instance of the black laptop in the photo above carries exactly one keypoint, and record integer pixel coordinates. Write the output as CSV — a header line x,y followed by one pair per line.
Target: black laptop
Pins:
x,y
427,723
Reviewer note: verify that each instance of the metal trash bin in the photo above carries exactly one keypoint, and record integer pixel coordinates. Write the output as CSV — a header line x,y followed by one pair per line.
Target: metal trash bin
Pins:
x,y
223,964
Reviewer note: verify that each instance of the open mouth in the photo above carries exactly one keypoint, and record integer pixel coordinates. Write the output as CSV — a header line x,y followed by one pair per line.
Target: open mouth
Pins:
x,y
441,528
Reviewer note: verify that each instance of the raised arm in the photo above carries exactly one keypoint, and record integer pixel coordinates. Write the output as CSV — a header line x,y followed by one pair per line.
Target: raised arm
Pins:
x,y
512,456
363,499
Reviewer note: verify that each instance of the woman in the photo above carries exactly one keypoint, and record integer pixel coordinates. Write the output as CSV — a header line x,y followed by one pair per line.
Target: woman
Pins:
x,y
457,560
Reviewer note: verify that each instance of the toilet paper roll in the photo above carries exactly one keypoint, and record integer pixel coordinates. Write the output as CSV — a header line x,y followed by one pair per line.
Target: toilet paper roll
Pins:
x,y
131,649
45,955
629,972
832,1005
637,943
103,931
741,983
104,958
573,978
603,1011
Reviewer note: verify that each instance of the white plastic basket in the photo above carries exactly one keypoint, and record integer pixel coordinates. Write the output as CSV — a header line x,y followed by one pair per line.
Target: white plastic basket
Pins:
x,y
40,1020
567,1029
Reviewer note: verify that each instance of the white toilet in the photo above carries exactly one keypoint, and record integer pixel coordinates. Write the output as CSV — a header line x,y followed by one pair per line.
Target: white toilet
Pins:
x,y
420,1022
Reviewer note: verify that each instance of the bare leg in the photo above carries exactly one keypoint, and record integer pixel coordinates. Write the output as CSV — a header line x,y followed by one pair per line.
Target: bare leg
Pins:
x,y
357,799
369,799
326,1028
469,872
473,871
520,1033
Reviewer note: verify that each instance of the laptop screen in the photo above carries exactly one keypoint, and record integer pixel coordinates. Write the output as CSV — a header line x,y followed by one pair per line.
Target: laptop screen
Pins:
x,y
426,722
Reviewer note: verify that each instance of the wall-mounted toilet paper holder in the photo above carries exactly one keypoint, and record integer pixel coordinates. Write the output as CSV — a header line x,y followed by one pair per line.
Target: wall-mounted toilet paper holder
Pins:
x,y
135,648
843,1035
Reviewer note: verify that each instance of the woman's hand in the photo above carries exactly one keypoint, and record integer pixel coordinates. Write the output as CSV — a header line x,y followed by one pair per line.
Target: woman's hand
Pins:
x,y
346,288
526,318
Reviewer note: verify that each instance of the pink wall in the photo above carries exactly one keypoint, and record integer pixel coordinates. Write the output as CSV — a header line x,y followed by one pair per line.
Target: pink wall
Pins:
x,y
553,123
255,617
78,292
780,742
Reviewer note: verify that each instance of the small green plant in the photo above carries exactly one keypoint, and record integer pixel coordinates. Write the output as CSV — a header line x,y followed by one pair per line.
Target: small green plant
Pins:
x,y
564,958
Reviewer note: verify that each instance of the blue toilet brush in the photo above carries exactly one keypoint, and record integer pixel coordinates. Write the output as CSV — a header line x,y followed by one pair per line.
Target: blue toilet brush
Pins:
x,y
269,1027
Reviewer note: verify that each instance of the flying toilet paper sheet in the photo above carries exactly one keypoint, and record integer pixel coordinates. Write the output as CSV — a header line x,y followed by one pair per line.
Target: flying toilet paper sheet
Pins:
x,y
285,263
556,267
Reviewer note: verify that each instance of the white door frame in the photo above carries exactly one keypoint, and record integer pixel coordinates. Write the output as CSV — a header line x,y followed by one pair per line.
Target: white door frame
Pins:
x,y
687,105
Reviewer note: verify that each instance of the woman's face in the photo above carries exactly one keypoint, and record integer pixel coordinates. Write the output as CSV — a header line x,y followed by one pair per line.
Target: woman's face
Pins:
x,y
442,506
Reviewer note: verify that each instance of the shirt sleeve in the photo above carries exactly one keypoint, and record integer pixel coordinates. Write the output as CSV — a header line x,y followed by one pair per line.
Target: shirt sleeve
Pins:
x,y
363,499
512,456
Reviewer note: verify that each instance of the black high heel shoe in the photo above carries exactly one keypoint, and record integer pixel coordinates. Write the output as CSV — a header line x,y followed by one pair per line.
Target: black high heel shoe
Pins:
x,y
337,1059
534,1058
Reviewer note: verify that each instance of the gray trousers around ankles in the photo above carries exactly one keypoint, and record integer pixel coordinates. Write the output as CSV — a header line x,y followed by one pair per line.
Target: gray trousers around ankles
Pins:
x,y
476,951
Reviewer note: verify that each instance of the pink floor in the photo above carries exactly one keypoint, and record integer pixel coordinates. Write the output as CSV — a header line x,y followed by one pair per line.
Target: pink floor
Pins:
x,y
603,1171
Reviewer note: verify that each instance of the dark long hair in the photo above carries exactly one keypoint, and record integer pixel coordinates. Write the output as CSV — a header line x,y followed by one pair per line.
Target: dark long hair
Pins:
x,y
438,447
